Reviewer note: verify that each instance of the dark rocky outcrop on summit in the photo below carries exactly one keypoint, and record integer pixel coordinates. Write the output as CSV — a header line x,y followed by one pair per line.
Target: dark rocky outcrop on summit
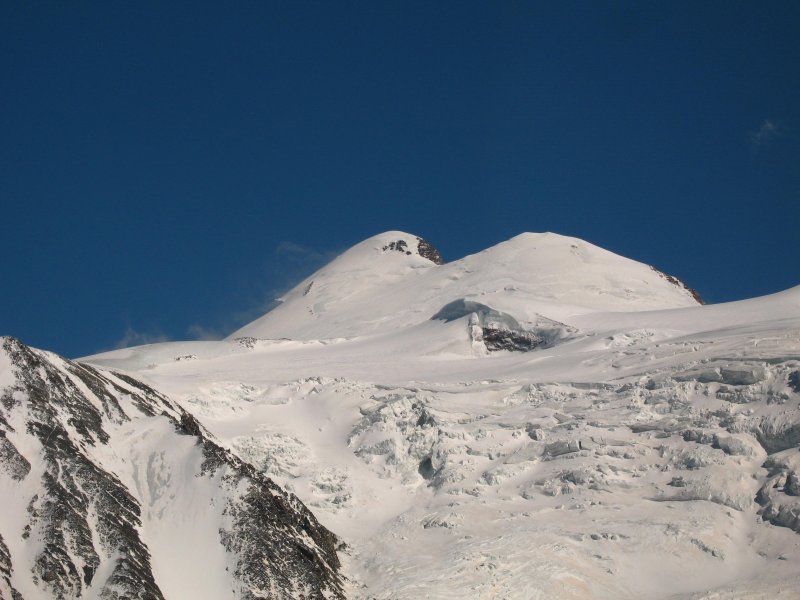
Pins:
x,y
427,250
424,249
399,246
85,520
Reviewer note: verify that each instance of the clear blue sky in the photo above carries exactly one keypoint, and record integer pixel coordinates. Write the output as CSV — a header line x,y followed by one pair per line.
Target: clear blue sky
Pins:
x,y
166,168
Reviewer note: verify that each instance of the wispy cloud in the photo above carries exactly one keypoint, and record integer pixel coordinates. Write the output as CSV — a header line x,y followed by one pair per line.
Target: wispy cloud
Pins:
x,y
131,337
292,254
204,334
289,265
259,306
285,267
766,133
292,263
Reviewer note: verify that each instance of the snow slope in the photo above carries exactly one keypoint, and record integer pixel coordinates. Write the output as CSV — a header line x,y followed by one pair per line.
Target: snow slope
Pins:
x,y
644,447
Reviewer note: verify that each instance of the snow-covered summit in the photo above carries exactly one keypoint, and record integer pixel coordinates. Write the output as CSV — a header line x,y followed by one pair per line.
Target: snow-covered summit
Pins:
x,y
395,279
386,252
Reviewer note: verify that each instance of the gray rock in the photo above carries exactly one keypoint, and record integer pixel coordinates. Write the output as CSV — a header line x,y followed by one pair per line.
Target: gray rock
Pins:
x,y
741,376
794,381
560,447
535,432
734,445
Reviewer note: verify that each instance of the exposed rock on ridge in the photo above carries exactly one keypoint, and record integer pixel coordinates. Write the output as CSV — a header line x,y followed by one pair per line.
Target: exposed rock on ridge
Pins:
x,y
677,282
85,522
424,248
6,589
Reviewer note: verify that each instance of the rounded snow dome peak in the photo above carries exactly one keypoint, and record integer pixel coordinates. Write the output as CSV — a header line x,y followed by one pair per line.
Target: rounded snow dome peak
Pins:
x,y
548,236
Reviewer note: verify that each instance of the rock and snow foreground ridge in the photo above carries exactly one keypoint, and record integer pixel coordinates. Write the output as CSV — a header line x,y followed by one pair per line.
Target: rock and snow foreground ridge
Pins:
x,y
544,419
109,490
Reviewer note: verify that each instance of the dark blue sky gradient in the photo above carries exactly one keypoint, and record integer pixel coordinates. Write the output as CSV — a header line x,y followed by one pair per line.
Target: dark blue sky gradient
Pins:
x,y
165,170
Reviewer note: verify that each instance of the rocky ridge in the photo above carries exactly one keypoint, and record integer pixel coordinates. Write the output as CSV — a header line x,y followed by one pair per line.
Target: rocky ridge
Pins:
x,y
681,284
92,461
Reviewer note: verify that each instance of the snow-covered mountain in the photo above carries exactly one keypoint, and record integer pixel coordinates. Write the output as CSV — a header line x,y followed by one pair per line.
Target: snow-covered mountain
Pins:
x,y
544,419
385,283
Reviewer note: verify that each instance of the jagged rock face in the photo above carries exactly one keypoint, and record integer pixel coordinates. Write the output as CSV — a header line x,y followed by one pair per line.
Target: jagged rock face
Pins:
x,y
497,338
426,250
6,589
94,465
